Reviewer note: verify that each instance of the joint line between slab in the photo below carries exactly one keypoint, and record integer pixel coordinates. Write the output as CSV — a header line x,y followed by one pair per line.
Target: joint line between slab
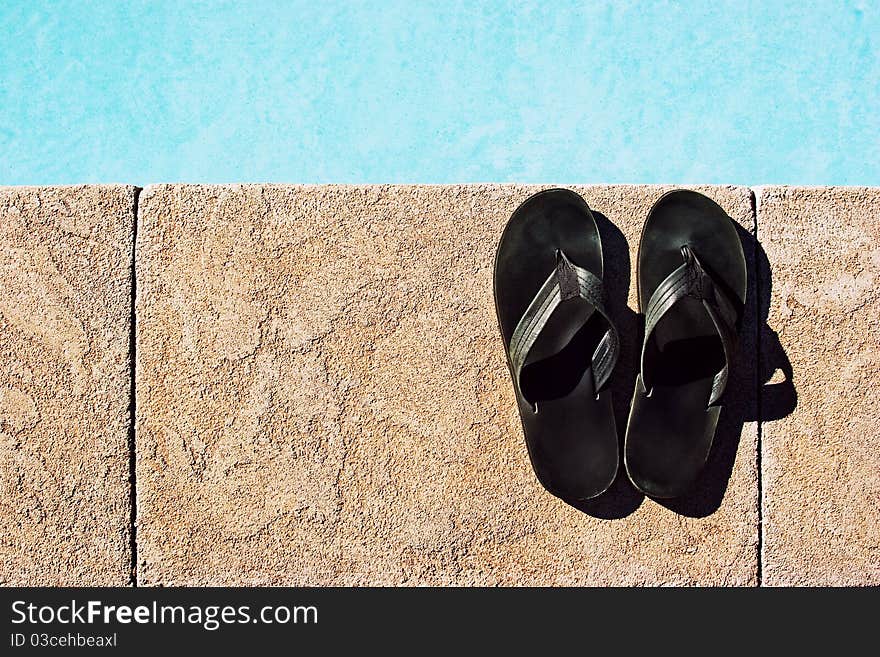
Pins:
x,y
132,426
758,406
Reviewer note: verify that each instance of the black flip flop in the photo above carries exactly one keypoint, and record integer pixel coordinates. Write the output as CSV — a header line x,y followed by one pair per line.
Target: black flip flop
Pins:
x,y
561,343
692,290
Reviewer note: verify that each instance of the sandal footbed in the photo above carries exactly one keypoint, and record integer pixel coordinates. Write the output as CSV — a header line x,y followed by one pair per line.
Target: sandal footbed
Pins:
x,y
671,426
572,438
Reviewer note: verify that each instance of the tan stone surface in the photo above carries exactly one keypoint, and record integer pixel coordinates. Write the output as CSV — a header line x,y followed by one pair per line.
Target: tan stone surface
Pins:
x,y
323,399
65,308
821,462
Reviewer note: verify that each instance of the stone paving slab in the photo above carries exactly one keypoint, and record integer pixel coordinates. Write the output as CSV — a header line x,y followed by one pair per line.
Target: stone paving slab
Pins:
x,y
323,400
65,309
821,433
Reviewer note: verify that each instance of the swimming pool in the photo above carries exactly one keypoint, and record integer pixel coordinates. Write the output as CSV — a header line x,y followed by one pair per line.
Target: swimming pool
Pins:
x,y
712,92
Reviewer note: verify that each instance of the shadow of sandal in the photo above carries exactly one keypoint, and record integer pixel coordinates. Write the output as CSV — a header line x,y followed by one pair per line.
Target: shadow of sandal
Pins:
x,y
622,498
760,354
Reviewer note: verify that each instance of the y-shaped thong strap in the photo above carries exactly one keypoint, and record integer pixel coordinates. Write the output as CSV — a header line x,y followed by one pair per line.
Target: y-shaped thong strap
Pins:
x,y
565,282
691,280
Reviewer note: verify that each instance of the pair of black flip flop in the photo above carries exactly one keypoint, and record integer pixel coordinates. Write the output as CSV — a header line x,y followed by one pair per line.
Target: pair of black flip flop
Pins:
x,y
562,344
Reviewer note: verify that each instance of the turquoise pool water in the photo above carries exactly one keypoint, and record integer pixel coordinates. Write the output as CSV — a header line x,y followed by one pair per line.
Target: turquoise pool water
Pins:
x,y
740,92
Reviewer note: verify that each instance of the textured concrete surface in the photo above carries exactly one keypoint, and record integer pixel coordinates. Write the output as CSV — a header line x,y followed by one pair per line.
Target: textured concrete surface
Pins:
x,y
65,307
323,399
821,434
